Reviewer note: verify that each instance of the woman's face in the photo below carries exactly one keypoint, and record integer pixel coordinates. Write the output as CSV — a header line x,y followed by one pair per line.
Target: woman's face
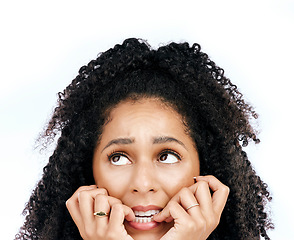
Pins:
x,y
144,158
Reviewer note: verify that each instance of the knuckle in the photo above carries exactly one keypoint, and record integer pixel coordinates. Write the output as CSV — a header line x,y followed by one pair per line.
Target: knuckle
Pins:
x,y
191,226
102,191
117,207
201,224
226,189
100,234
116,200
88,232
172,203
83,188
111,235
82,195
202,184
185,191
68,202
211,223
100,197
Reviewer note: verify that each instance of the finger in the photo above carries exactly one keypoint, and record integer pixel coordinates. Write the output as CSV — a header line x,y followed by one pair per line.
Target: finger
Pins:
x,y
203,196
220,192
172,211
202,193
86,200
186,198
72,205
103,203
119,213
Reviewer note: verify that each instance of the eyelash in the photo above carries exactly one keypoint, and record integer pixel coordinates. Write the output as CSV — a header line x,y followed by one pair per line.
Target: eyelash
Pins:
x,y
114,154
171,152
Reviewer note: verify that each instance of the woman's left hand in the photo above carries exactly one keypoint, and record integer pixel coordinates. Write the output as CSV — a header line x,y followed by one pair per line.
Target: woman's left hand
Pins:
x,y
199,221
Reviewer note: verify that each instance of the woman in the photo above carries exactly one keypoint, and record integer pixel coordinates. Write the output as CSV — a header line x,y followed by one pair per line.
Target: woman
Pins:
x,y
150,148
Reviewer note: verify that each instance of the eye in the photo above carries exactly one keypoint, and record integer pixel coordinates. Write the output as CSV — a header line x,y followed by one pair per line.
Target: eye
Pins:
x,y
118,159
169,156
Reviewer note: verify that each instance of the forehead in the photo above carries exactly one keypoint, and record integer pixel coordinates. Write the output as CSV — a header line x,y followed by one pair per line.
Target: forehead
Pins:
x,y
142,112
145,107
142,121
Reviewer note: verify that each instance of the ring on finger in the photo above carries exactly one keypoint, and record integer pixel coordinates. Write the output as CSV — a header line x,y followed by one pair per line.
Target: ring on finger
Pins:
x,y
100,214
194,205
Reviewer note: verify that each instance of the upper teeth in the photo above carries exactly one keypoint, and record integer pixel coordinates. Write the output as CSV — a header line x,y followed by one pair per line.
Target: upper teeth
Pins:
x,y
146,214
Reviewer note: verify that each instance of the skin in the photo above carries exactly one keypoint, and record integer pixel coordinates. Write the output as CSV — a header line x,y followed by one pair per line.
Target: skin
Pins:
x,y
145,157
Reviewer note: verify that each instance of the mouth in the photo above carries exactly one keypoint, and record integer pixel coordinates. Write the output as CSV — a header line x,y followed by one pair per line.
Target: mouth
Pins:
x,y
145,217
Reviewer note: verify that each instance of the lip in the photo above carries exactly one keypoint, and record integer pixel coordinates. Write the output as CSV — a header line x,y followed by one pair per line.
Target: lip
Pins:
x,y
143,226
145,208
147,225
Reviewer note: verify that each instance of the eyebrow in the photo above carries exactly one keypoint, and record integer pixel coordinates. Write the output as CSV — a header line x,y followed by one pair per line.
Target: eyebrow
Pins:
x,y
156,140
119,141
166,139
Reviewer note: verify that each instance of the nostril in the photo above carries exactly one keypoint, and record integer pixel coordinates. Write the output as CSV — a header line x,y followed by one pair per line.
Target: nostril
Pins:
x,y
150,190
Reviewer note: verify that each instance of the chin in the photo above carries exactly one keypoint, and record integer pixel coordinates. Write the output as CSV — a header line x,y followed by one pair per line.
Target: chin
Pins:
x,y
147,230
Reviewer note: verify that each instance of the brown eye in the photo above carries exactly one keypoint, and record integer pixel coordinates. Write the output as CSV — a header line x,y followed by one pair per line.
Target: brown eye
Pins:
x,y
119,159
169,157
115,158
163,157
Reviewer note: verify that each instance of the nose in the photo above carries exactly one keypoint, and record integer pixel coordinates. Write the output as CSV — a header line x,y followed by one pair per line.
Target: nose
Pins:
x,y
143,178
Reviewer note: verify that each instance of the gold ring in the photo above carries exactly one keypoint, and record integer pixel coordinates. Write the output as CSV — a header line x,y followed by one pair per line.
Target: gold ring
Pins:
x,y
100,214
194,205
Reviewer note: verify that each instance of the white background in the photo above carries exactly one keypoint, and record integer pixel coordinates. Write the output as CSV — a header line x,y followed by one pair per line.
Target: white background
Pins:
x,y
43,44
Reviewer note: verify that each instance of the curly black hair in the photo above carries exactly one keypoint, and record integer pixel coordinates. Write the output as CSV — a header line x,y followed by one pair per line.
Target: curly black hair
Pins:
x,y
218,119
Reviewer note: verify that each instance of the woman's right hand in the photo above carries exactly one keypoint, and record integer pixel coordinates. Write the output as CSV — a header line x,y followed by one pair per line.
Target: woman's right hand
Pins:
x,y
89,199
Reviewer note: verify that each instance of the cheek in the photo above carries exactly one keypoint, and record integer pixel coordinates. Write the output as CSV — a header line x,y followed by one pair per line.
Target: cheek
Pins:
x,y
172,183
113,182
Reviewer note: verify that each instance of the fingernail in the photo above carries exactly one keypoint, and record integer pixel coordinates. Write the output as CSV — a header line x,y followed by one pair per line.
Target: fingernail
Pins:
x,y
154,216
